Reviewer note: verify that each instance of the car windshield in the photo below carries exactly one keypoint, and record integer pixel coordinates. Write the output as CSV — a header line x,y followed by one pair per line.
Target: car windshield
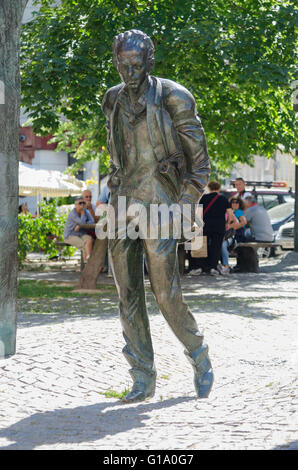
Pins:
x,y
281,211
289,198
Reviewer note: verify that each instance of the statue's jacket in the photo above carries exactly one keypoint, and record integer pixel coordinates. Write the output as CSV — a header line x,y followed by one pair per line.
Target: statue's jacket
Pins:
x,y
176,134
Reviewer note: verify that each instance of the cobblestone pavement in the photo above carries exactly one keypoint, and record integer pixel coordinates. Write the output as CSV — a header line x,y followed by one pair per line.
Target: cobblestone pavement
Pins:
x,y
52,392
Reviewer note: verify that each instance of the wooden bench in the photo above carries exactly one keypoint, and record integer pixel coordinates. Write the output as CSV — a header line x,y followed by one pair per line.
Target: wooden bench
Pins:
x,y
61,245
247,255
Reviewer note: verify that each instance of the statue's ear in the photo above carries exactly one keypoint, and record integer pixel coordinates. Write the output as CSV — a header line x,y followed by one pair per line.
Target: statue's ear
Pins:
x,y
150,64
115,62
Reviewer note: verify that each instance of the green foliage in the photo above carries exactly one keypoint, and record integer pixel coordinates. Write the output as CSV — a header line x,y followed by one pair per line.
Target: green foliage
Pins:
x,y
41,289
115,394
63,200
237,57
35,233
82,143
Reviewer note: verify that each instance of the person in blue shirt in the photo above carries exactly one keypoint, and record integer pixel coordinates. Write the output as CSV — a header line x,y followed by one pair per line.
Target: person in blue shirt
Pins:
x,y
237,206
104,196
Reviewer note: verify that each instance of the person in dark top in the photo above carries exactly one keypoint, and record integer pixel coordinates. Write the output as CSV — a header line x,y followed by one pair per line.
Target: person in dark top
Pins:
x,y
215,207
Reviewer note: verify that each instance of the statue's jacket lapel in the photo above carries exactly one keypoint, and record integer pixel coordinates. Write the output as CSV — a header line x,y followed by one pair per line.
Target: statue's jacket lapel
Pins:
x,y
163,136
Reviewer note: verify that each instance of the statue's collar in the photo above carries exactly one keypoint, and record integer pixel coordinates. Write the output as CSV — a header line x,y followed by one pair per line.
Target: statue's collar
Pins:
x,y
138,106
143,92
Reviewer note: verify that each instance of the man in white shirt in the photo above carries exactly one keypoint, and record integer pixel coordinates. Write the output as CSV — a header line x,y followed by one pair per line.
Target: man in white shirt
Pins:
x,y
90,208
240,186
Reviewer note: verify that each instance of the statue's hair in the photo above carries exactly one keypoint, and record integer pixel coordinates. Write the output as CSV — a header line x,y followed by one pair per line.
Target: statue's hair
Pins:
x,y
136,38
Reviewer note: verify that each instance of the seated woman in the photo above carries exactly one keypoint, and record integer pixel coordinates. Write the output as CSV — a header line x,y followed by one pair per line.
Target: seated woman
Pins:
x,y
73,234
237,205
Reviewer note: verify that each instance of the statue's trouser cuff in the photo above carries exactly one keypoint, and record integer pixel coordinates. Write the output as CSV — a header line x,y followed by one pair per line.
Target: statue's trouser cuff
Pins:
x,y
199,359
203,373
143,381
142,370
127,265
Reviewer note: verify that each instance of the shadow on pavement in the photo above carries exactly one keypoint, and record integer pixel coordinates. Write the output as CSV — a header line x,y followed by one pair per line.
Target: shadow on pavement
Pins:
x,y
228,304
28,320
80,425
283,272
198,303
233,305
289,446
249,282
222,294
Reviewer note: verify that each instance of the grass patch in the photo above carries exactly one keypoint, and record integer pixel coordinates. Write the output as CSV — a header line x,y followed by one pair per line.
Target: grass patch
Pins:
x,y
115,394
34,268
43,289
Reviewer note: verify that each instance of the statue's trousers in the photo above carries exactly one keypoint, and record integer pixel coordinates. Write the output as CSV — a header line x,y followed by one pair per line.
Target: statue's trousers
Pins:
x,y
127,264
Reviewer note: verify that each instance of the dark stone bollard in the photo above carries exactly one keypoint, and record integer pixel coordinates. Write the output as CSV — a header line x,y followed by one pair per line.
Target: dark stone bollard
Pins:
x,y
247,259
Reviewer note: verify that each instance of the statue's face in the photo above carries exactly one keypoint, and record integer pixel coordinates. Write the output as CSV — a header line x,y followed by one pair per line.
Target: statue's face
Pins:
x,y
132,67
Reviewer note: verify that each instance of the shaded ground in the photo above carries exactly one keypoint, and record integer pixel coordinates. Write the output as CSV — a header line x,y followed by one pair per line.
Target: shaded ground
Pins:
x,y
53,393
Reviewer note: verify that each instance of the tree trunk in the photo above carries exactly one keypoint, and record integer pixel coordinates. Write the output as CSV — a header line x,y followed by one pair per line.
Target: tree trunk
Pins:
x,y
95,264
11,13
296,207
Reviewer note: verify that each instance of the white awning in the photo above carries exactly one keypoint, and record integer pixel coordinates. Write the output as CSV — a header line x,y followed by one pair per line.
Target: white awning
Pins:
x,y
47,183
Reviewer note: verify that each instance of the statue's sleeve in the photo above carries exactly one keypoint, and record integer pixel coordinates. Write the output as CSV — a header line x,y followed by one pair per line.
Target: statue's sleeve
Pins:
x,y
182,109
107,108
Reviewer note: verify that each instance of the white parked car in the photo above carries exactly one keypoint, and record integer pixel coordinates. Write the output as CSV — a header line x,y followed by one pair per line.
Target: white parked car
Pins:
x,y
285,236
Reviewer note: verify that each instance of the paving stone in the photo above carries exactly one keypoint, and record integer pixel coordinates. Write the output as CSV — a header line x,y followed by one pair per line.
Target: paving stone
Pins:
x,y
53,391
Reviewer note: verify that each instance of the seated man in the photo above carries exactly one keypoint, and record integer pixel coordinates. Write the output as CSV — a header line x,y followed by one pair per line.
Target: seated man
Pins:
x,y
73,234
258,221
90,208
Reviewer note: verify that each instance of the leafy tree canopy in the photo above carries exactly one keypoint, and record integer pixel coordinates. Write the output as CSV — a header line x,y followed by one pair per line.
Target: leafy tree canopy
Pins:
x,y
235,56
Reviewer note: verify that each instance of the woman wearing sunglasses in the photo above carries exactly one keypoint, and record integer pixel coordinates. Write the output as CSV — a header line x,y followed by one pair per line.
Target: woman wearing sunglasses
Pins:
x,y
237,206
73,234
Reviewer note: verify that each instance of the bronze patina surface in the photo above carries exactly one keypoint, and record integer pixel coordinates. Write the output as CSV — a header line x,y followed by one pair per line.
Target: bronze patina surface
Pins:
x,y
158,155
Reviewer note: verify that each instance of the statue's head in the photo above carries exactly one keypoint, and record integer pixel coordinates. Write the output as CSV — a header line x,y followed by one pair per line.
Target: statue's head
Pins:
x,y
133,57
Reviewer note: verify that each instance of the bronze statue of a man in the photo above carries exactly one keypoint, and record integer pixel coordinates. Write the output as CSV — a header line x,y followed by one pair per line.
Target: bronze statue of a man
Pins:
x,y
158,155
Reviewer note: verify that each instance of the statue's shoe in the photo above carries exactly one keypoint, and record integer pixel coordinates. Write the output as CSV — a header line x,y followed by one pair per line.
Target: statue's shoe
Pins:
x,y
203,378
203,384
139,392
135,396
